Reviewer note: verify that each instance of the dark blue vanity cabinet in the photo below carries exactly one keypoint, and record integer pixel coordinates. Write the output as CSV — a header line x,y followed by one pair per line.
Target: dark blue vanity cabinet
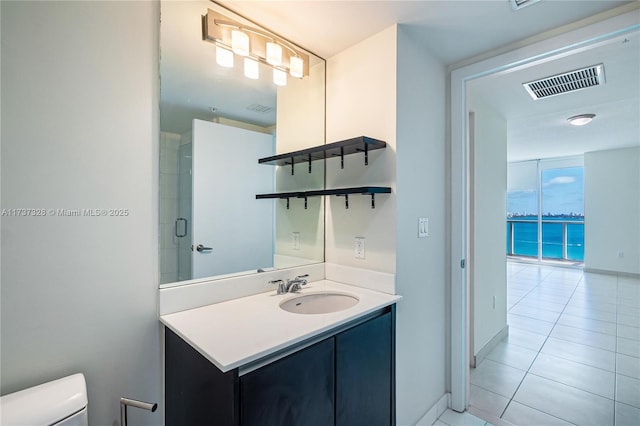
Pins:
x,y
365,381
345,378
295,390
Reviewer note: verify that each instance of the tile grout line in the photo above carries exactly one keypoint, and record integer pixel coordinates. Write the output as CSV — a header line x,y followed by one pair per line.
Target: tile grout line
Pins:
x,y
543,343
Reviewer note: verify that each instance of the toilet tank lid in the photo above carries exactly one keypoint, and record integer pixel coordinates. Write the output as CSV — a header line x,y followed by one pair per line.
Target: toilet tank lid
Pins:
x,y
44,404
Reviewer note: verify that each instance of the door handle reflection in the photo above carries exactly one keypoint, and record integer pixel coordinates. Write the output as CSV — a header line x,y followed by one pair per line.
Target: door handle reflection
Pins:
x,y
201,249
184,224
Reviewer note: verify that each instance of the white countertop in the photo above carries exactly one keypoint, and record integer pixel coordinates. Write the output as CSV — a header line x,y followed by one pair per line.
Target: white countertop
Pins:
x,y
236,332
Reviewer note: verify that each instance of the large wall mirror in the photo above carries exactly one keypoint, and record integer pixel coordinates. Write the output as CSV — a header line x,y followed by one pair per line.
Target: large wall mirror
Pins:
x,y
218,117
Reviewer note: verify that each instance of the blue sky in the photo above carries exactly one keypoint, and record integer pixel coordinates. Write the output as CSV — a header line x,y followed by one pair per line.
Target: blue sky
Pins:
x,y
562,193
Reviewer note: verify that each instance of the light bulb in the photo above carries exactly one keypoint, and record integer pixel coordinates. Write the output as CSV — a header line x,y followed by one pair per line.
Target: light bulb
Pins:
x,y
240,43
296,66
274,54
224,57
279,77
251,69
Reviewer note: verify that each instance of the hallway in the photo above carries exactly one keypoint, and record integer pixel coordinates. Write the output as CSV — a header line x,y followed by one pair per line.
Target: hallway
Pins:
x,y
573,351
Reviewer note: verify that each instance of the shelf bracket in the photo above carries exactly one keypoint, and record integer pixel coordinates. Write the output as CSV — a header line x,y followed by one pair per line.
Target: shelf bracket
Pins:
x,y
309,163
346,200
366,154
342,157
373,201
293,163
287,203
305,202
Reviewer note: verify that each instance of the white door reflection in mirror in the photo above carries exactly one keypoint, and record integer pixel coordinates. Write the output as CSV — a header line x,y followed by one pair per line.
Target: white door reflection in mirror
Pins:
x,y
234,232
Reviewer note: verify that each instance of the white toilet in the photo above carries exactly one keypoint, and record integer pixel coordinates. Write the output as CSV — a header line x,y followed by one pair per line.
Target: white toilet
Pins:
x,y
62,402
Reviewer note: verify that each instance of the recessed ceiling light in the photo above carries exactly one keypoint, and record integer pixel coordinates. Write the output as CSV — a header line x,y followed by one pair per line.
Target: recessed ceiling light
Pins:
x,y
581,120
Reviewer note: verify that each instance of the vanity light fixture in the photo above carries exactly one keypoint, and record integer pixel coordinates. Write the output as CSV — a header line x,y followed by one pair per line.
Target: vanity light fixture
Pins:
x,y
240,42
224,57
581,119
296,66
274,54
256,45
279,77
251,69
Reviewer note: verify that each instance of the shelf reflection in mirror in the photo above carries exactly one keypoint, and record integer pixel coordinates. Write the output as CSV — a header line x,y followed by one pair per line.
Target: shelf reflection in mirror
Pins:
x,y
214,126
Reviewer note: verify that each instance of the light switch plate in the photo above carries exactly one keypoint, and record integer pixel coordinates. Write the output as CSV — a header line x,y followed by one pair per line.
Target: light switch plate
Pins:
x,y
359,248
423,227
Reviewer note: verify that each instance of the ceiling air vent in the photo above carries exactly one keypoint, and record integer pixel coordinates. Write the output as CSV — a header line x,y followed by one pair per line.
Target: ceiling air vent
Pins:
x,y
519,4
566,82
262,109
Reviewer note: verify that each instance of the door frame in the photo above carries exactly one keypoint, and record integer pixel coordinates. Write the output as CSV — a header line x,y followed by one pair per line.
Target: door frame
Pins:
x,y
583,35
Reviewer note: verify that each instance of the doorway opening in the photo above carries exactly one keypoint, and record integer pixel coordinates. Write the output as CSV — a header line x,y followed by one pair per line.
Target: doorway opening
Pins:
x,y
609,31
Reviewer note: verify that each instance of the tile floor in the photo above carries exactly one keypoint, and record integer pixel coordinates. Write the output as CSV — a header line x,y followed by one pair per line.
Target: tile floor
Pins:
x,y
452,418
572,355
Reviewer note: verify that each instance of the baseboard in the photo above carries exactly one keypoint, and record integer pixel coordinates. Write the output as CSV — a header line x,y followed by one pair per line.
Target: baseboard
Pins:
x,y
608,272
435,411
491,344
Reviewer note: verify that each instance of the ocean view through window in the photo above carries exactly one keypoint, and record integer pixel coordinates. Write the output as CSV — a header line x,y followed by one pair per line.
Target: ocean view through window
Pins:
x,y
547,201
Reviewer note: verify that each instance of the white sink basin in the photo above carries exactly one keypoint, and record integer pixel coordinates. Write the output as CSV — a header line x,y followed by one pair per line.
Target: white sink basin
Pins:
x,y
319,303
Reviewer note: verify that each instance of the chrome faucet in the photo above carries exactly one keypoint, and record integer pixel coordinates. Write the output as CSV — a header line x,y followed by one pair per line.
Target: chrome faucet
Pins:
x,y
280,283
291,286
294,285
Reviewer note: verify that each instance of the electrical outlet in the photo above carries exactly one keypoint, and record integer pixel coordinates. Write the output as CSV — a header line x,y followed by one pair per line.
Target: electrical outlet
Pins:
x,y
359,248
295,238
620,255
423,227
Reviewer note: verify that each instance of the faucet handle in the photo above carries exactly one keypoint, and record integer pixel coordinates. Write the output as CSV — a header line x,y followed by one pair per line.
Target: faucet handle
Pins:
x,y
281,287
301,276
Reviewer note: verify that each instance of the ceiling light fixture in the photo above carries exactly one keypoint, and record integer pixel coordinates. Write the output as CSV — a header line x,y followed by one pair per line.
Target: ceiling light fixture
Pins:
x,y
257,44
581,119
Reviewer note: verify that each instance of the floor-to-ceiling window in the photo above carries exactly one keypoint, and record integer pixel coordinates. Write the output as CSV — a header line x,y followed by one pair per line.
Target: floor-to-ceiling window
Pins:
x,y
545,209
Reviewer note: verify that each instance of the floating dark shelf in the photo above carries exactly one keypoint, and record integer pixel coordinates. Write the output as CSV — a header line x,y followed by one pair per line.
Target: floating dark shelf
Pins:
x,y
363,190
362,144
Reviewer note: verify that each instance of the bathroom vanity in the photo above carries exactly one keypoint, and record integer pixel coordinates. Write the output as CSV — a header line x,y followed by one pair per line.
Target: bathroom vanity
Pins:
x,y
249,362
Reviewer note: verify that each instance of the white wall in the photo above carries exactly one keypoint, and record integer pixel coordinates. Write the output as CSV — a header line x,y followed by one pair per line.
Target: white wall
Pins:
x,y
361,101
421,263
488,230
389,88
612,209
80,114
